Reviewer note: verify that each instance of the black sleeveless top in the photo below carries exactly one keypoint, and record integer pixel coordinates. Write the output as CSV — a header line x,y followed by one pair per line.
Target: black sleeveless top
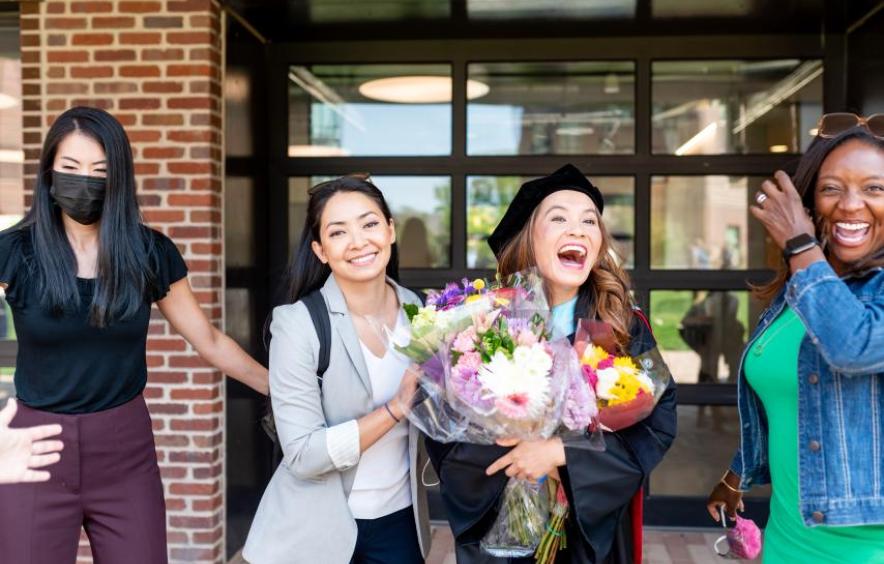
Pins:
x,y
64,364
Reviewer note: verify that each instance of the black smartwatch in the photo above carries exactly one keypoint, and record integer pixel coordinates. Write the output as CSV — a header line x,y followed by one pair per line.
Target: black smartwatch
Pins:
x,y
799,244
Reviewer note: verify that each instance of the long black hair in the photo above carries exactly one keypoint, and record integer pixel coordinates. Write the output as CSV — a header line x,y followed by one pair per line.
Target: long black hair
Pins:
x,y
124,255
306,272
804,180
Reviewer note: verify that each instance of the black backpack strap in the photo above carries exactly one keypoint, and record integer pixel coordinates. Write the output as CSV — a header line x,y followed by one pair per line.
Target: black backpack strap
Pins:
x,y
319,314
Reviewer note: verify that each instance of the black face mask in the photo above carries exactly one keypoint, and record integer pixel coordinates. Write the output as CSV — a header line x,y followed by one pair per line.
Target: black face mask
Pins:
x,y
81,197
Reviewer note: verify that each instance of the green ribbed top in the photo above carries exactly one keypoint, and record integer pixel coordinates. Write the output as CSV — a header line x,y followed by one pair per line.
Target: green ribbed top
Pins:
x,y
772,371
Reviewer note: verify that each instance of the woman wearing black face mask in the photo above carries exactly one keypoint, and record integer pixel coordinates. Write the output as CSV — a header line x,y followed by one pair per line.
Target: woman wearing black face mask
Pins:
x,y
80,274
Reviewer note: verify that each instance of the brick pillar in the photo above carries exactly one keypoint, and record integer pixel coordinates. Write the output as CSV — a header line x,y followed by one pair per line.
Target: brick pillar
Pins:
x,y
157,66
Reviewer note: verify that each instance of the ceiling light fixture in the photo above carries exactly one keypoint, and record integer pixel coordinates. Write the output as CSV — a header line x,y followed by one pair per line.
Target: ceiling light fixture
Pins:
x,y
418,89
316,151
13,156
7,101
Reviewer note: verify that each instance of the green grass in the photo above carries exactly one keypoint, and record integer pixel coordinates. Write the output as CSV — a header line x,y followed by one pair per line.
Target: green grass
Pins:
x,y
668,307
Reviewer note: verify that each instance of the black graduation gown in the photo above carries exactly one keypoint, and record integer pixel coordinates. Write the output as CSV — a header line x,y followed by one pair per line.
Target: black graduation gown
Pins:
x,y
599,484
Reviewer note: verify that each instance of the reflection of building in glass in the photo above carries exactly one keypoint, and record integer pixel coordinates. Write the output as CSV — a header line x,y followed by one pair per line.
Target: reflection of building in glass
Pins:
x,y
330,115
325,126
553,108
703,222
734,106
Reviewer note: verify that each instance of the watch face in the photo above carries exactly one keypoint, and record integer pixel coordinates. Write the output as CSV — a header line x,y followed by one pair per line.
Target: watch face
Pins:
x,y
799,244
800,241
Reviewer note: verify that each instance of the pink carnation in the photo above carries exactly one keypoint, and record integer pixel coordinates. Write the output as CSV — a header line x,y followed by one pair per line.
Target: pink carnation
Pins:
x,y
607,363
468,364
526,338
465,341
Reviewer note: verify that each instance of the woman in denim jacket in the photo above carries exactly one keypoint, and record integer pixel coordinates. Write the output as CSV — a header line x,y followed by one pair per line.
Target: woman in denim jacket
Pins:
x,y
811,382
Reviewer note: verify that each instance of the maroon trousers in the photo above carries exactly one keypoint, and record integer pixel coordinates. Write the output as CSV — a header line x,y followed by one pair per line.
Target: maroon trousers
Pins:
x,y
107,481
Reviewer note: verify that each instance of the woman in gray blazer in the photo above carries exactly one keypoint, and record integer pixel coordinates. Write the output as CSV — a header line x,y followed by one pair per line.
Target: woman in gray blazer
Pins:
x,y
348,488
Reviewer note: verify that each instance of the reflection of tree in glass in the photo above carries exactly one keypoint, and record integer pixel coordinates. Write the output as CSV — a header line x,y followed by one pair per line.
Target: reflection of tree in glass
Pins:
x,y
487,201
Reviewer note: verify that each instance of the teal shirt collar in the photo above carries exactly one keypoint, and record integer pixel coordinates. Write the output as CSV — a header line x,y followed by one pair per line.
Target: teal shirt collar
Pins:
x,y
562,320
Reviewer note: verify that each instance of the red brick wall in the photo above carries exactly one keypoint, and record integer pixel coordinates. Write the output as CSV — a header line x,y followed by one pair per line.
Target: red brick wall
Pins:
x,y
157,66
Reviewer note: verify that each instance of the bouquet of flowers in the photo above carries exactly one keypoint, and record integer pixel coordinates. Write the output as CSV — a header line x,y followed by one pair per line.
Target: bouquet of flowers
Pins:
x,y
490,372
627,388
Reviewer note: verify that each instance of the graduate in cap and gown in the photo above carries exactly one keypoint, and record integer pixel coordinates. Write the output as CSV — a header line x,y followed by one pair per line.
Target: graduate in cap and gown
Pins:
x,y
555,224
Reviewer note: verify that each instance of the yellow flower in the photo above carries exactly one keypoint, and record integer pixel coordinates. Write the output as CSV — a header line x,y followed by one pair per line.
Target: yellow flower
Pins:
x,y
473,298
624,390
479,284
624,363
593,355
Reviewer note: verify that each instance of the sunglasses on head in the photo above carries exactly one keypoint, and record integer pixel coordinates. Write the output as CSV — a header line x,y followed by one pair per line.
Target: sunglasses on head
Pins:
x,y
831,125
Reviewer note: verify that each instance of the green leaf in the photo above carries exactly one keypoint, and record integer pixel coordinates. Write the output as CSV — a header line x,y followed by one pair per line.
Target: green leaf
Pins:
x,y
411,310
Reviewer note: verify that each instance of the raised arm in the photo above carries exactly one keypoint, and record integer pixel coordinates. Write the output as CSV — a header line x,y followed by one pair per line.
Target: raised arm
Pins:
x,y
184,313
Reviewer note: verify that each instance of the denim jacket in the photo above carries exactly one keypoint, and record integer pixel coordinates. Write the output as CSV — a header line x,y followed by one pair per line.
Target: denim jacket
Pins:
x,y
840,398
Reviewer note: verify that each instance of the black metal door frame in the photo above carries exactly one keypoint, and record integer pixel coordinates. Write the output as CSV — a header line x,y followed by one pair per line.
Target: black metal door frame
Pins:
x,y
643,51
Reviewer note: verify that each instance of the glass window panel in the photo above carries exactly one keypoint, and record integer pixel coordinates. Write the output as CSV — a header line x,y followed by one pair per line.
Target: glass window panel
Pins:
x,y
421,207
708,437
369,110
239,222
734,106
7,389
347,11
703,222
238,317
7,329
11,155
701,333
238,105
11,159
552,108
489,196
550,9
701,8
298,197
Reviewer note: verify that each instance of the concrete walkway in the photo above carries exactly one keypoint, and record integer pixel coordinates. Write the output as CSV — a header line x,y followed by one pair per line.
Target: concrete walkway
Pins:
x,y
662,546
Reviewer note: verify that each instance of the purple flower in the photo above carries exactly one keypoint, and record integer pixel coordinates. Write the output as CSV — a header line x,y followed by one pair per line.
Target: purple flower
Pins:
x,y
465,383
580,404
451,296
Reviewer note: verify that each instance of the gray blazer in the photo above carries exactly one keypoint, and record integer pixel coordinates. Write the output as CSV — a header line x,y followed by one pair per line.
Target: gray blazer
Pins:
x,y
303,515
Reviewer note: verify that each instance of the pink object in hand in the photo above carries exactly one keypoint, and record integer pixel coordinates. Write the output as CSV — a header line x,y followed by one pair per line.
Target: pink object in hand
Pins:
x,y
743,540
